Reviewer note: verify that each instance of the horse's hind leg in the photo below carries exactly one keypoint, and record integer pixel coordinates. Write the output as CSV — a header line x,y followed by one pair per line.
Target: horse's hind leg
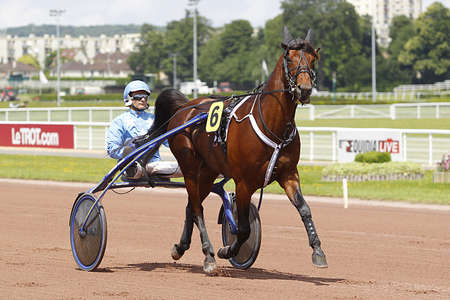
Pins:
x,y
243,197
292,188
185,240
199,180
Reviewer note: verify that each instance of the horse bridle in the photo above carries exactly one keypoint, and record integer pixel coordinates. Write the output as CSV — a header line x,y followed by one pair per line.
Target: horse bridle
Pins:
x,y
292,80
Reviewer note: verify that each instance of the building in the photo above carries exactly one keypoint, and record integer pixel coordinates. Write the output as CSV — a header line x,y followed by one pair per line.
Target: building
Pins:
x,y
383,11
102,65
16,68
85,47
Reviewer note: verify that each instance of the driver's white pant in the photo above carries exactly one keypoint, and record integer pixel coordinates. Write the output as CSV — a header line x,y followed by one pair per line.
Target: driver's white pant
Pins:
x,y
169,169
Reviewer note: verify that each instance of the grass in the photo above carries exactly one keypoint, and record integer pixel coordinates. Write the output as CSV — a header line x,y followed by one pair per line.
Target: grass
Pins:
x,y
92,170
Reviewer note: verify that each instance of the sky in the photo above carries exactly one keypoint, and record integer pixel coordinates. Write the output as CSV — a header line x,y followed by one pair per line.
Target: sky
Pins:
x,y
157,12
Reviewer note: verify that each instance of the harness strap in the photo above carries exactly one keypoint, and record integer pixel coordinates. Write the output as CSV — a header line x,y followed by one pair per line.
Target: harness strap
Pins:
x,y
262,136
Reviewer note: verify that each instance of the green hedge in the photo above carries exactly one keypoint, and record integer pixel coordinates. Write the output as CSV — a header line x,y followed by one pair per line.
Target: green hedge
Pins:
x,y
373,157
357,168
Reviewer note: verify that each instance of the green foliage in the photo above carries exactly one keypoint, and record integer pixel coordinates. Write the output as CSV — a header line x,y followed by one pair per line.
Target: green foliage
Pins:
x,y
29,60
233,56
358,168
428,51
234,53
373,157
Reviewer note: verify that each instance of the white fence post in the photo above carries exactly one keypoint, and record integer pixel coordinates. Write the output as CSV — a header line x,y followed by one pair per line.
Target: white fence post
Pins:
x,y
392,111
345,192
311,146
418,111
404,146
333,141
49,115
312,112
75,145
430,149
437,111
90,137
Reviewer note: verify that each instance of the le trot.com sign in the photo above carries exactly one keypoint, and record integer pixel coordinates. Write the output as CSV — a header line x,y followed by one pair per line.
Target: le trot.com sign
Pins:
x,y
36,135
352,142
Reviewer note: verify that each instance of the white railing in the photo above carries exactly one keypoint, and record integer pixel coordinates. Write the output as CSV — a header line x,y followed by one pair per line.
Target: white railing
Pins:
x,y
377,111
308,112
399,95
424,146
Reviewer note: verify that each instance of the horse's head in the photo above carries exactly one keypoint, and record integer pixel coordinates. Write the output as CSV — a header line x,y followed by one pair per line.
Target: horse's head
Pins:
x,y
298,63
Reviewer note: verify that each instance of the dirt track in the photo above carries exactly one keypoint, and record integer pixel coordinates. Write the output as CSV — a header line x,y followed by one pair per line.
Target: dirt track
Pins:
x,y
373,252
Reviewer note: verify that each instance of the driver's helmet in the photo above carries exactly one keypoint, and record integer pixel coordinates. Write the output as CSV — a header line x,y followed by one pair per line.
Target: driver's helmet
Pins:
x,y
135,85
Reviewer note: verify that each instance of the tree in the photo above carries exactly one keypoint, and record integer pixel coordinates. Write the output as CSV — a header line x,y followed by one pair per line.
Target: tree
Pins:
x,y
179,37
151,50
428,51
233,55
272,40
28,59
400,31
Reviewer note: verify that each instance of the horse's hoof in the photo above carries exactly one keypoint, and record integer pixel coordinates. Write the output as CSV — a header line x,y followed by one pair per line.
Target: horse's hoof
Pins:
x,y
319,259
175,254
224,252
210,267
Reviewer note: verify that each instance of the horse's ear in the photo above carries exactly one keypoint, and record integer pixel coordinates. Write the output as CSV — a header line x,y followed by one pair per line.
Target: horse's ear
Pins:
x,y
317,53
287,37
309,36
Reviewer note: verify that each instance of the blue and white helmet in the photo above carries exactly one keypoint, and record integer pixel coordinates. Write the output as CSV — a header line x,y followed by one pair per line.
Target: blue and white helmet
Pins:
x,y
135,85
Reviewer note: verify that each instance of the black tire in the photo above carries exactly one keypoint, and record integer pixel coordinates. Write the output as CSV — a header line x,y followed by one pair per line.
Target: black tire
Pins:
x,y
249,250
88,246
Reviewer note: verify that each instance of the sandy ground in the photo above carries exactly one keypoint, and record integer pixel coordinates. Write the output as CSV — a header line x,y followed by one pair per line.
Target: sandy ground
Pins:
x,y
374,252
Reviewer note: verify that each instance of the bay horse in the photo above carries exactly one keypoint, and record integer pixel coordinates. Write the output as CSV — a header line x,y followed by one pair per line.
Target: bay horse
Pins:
x,y
261,125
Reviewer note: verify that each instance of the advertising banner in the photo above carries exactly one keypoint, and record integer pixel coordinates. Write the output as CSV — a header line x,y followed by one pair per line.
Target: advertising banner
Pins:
x,y
36,135
352,142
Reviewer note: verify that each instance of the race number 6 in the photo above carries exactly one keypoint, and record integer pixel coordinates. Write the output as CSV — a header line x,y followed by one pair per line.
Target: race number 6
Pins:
x,y
214,117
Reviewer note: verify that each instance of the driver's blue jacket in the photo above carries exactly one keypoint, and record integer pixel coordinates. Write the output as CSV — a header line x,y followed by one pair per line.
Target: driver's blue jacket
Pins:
x,y
124,128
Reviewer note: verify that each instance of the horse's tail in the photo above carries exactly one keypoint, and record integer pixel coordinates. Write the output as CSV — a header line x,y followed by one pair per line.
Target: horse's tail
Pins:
x,y
166,104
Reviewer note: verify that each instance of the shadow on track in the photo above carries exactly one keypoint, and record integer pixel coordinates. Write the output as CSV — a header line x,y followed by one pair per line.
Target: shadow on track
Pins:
x,y
253,273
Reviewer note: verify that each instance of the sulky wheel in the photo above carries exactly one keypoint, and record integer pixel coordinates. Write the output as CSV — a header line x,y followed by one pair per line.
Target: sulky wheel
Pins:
x,y
88,244
249,250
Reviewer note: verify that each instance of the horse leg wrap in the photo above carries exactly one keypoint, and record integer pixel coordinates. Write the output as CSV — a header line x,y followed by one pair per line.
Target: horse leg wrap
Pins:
x,y
311,231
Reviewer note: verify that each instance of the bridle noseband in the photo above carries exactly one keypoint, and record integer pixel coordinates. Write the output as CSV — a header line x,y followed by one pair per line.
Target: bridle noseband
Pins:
x,y
292,80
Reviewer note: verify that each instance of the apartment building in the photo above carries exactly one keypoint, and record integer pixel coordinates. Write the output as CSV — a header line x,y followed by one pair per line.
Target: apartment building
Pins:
x,y
86,47
383,11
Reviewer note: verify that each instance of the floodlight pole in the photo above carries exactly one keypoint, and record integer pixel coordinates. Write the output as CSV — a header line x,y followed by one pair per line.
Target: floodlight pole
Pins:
x,y
57,13
194,3
374,67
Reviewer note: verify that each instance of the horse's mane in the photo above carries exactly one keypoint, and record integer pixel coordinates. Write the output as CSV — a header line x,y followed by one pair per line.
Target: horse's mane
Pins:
x,y
166,104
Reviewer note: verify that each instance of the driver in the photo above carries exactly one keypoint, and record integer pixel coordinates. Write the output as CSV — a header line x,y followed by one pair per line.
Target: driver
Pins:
x,y
125,128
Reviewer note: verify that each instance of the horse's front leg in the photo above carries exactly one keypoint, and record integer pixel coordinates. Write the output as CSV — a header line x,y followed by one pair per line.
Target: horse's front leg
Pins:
x,y
292,188
243,197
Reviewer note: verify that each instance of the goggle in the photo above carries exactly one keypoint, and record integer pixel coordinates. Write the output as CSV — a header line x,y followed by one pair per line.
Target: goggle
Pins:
x,y
139,97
